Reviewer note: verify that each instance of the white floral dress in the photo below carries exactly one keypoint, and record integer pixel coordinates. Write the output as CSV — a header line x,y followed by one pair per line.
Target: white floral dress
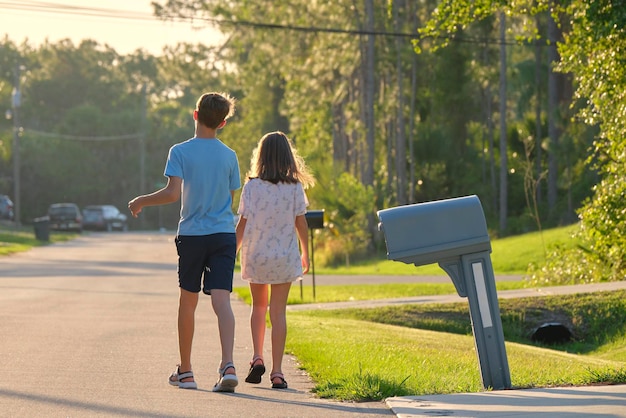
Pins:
x,y
270,252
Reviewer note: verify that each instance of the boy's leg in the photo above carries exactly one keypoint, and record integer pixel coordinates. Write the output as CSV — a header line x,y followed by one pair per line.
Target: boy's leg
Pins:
x,y
258,314
220,299
278,317
190,269
186,322
218,282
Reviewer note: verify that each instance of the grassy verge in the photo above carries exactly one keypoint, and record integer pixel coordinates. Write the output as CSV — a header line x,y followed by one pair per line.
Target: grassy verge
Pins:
x,y
14,240
361,355
509,255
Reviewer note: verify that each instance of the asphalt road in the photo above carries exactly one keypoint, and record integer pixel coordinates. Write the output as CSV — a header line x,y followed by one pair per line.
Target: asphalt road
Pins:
x,y
88,329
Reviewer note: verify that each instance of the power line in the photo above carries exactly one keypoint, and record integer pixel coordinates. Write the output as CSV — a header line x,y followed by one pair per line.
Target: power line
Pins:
x,y
82,137
59,8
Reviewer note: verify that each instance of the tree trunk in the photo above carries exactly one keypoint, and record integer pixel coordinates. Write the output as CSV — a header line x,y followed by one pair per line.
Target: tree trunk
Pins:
x,y
492,150
553,106
412,127
503,141
368,68
341,160
538,132
400,124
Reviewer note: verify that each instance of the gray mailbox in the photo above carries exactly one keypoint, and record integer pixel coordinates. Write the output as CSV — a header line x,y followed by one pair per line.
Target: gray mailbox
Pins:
x,y
453,233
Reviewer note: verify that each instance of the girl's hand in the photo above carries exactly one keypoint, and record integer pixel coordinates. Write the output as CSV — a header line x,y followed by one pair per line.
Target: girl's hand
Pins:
x,y
305,263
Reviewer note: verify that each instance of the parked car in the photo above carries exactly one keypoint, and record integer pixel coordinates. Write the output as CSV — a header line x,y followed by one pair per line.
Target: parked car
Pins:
x,y
6,208
104,218
65,217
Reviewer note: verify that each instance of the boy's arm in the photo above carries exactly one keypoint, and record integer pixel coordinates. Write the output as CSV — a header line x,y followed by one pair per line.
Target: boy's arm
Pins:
x,y
169,194
302,229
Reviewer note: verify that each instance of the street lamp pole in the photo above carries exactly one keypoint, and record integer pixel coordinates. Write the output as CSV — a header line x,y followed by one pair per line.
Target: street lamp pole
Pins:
x,y
16,103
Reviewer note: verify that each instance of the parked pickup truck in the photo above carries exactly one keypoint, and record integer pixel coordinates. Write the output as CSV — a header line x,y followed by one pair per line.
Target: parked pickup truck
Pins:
x,y
65,217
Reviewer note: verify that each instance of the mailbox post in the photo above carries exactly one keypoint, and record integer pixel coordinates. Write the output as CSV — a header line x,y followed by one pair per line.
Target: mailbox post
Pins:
x,y
453,233
314,220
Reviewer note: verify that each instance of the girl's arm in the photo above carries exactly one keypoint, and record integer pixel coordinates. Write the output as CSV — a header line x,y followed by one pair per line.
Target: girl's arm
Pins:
x,y
302,230
241,226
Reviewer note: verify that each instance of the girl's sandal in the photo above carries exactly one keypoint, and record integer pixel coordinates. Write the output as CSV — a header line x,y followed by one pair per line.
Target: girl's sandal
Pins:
x,y
257,369
281,384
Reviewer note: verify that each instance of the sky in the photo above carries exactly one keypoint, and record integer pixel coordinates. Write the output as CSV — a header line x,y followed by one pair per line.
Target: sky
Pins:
x,y
125,25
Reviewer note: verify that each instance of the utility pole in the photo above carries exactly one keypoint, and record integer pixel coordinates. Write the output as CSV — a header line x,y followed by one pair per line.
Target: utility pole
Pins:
x,y
142,147
16,102
142,140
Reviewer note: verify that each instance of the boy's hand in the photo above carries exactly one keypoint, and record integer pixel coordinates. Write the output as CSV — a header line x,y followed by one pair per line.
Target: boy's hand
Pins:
x,y
135,207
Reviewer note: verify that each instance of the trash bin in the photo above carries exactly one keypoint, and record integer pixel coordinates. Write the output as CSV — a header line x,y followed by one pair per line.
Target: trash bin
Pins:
x,y
42,228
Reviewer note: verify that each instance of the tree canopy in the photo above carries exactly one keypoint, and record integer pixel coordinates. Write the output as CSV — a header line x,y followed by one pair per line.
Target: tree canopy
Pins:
x,y
520,103
593,52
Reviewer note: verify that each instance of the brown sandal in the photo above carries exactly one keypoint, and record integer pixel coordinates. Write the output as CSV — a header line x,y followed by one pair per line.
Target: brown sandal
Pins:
x,y
280,385
257,369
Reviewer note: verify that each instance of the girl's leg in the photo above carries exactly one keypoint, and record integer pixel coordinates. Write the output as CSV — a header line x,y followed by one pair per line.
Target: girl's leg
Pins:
x,y
259,294
278,307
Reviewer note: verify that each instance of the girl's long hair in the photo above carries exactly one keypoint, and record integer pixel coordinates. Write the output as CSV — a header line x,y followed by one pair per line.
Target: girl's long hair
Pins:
x,y
276,160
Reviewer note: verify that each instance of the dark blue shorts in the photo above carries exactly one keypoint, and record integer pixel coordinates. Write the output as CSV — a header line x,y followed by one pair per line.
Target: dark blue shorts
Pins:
x,y
206,261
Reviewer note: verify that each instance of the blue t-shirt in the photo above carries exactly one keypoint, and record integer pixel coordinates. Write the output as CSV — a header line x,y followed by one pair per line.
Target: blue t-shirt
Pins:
x,y
210,171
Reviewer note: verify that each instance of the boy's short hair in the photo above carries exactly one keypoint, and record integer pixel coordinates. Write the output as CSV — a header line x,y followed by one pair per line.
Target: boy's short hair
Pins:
x,y
214,108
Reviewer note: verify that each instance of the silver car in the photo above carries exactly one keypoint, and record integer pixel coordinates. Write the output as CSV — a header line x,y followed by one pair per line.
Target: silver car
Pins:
x,y
104,218
6,208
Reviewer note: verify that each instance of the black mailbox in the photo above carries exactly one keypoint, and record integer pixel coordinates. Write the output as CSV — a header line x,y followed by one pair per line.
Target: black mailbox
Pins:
x,y
315,219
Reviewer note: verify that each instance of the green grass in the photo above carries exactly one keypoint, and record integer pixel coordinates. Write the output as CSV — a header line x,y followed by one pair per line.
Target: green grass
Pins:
x,y
14,240
371,354
509,255
356,360
596,320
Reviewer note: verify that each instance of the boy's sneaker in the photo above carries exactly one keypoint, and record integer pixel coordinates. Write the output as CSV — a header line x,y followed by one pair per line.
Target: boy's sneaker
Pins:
x,y
176,379
226,382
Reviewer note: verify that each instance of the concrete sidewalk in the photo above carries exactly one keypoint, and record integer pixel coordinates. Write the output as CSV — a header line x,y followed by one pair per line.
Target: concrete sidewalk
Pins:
x,y
89,330
563,402
505,294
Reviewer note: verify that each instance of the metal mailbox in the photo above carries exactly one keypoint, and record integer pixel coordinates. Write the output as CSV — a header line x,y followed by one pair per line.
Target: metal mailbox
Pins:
x,y
315,219
453,233
425,233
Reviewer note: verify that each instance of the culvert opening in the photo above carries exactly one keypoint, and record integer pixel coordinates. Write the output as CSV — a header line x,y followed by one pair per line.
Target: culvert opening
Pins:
x,y
552,333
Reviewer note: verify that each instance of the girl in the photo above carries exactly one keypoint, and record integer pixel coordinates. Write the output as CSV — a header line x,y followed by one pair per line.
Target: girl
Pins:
x,y
272,218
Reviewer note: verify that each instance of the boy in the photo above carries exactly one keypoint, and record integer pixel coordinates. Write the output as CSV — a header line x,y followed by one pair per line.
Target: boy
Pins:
x,y
204,173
